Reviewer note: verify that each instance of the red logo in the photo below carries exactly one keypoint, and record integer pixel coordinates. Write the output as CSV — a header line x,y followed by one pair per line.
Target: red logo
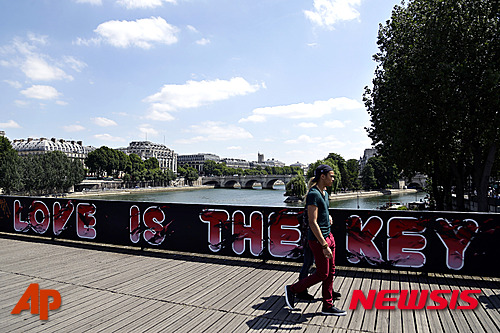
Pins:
x,y
39,301
413,299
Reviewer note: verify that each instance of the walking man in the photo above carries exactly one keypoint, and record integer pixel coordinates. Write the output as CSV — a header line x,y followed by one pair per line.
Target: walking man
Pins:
x,y
321,243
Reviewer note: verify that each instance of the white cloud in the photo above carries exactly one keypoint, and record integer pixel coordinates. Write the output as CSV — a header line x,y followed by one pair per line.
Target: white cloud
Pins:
x,y
234,148
21,103
74,63
23,53
41,92
194,94
192,29
303,139
132,4
327,13
92,2
157,112
61,103
307,125
203,41
73,128
148,130
141,33
215,131
334,124
108,137
14,84
104,122
10,124
36,68
317,109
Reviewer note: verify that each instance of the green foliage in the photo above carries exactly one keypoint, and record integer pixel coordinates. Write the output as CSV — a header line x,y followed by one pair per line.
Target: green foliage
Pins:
x,y
191,174
385,173
333,163
10,177
212,168
152,163
436,92
296,186
108,161
52,172
352,168
368,180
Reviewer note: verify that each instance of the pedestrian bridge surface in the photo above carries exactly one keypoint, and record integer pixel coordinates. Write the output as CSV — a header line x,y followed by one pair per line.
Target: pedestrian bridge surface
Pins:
x,y
116,289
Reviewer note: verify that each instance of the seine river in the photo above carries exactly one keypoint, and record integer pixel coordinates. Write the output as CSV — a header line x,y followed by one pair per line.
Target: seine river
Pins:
x,y
254,197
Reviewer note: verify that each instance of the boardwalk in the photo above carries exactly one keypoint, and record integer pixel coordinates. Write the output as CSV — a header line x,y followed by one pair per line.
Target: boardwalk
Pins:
x,y
120,290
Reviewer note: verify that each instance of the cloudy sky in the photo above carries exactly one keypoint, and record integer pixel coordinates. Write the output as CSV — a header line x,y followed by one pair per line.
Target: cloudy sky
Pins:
x,y
230,77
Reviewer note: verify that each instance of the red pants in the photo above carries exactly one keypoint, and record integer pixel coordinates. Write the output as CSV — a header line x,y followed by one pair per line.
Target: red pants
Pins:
x,y
325,269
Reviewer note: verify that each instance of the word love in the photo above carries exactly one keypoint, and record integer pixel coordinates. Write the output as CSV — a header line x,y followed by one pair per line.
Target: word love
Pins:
x,y
414,299
39,301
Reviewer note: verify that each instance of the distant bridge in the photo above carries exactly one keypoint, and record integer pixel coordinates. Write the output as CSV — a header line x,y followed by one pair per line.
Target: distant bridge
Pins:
x,y
249,181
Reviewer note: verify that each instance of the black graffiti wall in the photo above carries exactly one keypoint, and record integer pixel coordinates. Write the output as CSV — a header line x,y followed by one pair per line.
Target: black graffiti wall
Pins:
x,y
425,241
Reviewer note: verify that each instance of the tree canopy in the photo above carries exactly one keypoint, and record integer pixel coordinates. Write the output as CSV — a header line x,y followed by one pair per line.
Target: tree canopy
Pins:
x,y
435,101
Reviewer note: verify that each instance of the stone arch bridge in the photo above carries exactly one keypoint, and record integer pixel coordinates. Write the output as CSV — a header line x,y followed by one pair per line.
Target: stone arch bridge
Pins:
x,y
248,181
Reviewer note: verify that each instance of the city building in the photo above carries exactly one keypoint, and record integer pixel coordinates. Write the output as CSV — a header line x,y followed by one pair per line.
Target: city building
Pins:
x,y
368,153
197,161
236,163
300,165
73,149
166,157
265,163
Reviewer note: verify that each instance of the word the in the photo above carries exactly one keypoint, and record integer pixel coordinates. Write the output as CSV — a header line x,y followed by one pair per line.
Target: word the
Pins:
x,y
39,301
413,299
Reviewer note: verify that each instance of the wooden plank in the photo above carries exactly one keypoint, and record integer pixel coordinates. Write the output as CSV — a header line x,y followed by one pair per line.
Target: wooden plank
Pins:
x,y
383,315
464,320
486,314
420,315
407,316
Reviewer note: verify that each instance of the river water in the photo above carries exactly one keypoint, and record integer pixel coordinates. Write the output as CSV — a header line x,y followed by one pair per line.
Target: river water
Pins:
x,y
254,197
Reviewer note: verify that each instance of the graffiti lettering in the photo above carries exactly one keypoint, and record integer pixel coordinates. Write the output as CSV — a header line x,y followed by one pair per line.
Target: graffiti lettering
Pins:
x,y
85,221
405,239
360,239
456,238
253,232
284,233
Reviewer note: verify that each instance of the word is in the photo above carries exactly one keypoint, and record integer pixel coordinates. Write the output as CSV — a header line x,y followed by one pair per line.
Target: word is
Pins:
x,y
39,301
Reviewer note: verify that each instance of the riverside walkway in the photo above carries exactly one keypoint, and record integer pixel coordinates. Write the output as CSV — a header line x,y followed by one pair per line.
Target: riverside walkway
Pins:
x,y
111,289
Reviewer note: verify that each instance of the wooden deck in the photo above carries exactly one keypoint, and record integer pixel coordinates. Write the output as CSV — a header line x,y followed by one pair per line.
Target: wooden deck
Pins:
x,y
122,290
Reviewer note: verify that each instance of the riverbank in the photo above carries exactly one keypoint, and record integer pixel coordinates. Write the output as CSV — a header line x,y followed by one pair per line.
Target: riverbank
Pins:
x,y
367,194
106,192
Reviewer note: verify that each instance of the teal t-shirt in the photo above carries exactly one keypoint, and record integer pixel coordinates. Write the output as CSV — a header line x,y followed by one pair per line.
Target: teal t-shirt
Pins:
x,y
320,200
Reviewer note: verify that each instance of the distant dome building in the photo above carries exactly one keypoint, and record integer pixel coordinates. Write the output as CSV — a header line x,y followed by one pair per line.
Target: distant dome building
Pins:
x,y
73,149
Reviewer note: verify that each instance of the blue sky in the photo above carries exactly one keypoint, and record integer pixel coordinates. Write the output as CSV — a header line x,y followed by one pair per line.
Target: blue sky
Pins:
x,y
230,77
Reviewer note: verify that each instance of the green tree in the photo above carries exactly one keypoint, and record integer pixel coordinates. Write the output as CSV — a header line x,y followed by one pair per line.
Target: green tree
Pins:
x,y
191,175
333,164
10,176
352,167
296,186
341,164
385,173
52,172
368,180
436,93
152,163
136,163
